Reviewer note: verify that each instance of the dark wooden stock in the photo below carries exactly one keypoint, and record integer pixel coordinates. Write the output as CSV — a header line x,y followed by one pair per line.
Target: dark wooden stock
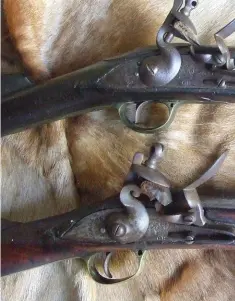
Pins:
x,y
25,246
29,245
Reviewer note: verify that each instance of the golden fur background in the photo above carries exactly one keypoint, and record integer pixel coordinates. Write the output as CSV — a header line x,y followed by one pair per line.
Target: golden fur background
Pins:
x,y
54,168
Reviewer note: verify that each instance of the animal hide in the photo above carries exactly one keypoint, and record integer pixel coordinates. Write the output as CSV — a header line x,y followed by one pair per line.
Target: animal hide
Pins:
x,y
60,166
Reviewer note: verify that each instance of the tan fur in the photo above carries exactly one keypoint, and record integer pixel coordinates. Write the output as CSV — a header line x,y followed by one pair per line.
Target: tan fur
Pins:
x,y
51,169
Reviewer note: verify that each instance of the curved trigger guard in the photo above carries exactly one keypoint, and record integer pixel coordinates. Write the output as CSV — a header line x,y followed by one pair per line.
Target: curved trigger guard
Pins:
x,y
172,108
96,276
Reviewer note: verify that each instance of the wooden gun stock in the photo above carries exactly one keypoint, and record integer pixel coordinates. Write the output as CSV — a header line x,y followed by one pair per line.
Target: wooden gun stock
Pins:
x,y
28,245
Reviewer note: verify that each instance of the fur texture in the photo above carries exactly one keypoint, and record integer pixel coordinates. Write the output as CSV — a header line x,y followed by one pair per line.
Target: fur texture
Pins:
x,y
57,167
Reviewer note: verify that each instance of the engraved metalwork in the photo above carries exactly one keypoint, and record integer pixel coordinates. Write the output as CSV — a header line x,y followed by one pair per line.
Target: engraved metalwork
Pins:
x,y
127,222
147,213
133,224
167,73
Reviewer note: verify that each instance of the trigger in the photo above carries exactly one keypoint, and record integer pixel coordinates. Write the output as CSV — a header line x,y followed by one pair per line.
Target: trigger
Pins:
x,y
142,113
130,112
138,114
106,265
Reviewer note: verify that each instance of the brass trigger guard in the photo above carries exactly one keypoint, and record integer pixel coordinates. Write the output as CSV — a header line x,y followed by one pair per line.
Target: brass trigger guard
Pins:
x,y
172,108
96,276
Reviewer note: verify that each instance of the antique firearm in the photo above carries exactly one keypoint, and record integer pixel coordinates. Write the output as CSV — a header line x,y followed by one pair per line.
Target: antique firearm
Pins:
x,y
147,214
168,73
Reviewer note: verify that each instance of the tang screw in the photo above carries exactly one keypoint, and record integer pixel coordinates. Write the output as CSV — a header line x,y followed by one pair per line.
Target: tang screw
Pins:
x,y
102,230
189,239
219,59
118,230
